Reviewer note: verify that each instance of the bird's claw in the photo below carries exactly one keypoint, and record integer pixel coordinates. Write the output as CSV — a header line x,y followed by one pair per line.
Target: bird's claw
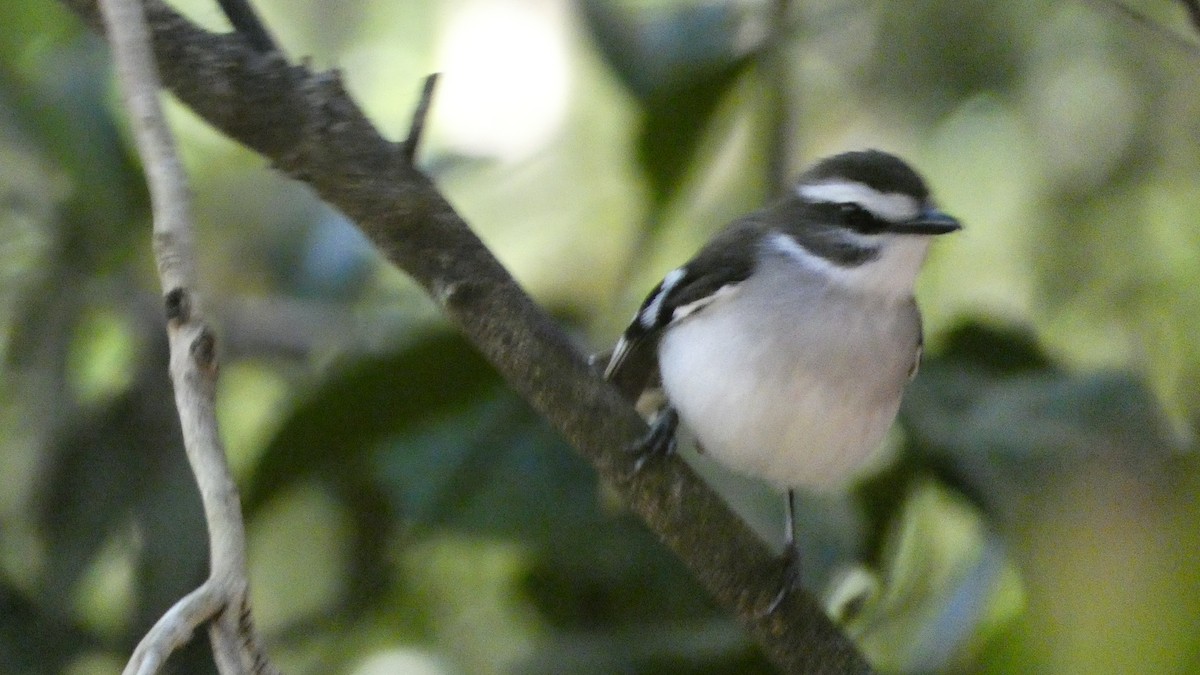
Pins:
x,y
791,578
659,442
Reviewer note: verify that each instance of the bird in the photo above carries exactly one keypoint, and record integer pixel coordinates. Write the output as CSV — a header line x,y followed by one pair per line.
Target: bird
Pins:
x,y
785,344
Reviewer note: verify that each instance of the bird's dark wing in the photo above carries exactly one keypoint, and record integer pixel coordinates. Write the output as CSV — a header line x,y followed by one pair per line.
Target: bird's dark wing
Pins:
x,y
715,271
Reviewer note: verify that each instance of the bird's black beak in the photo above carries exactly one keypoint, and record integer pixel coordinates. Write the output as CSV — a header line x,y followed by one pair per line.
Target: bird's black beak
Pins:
x,y
930,221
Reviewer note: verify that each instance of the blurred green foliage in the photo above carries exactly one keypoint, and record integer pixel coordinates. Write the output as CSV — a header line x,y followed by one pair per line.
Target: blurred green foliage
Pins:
x,y
1036,513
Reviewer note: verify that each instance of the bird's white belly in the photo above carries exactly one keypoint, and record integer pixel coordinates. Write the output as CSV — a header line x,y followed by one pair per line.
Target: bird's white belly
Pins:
x,y
776,389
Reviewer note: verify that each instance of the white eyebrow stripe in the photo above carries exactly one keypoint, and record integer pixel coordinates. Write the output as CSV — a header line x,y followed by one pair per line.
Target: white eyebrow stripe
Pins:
x,y
649,316
890,206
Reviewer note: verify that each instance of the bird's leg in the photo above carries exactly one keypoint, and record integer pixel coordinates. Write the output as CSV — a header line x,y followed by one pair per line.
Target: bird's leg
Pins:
x,y
659,441
791,556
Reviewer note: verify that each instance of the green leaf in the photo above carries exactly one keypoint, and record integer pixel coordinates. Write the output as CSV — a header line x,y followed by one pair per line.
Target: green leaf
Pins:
x,y
333,432
336,434
673,125
680,63
928,57
999,419
658,50
34,640
944,579
97,467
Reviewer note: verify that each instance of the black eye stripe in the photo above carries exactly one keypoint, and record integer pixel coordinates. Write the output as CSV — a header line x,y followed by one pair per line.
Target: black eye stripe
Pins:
x,y
856,217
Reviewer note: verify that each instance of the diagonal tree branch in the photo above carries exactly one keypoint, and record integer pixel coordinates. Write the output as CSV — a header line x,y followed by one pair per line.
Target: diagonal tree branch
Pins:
x,y
222,600
307,124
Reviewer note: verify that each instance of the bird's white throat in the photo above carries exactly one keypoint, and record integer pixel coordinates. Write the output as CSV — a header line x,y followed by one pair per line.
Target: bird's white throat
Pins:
x,y
892,273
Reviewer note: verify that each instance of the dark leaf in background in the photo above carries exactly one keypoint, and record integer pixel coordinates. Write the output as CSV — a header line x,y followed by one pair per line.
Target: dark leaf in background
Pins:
x,y
370,569
333,437
991,417
679,62
33,640
979,38
88,490
92,204
934,584
1000,420
124,463
656,51
334,431
983,353
996,350
64,112
169,517
673,125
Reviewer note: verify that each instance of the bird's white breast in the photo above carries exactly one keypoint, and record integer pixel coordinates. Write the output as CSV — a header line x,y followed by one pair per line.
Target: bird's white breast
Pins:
x,y
791,378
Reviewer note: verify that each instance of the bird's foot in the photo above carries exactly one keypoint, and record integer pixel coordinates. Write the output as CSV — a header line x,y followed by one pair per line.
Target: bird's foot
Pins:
x,y
658,442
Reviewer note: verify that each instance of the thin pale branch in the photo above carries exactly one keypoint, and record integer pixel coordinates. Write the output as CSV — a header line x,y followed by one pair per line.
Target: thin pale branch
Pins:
x,y
193,370
174,629
310,128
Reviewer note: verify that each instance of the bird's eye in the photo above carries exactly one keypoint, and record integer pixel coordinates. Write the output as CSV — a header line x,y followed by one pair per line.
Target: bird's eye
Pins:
x,y
858,218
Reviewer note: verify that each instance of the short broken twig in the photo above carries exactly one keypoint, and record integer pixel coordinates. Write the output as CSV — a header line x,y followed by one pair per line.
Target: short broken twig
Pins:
x,y
417,128
245,21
